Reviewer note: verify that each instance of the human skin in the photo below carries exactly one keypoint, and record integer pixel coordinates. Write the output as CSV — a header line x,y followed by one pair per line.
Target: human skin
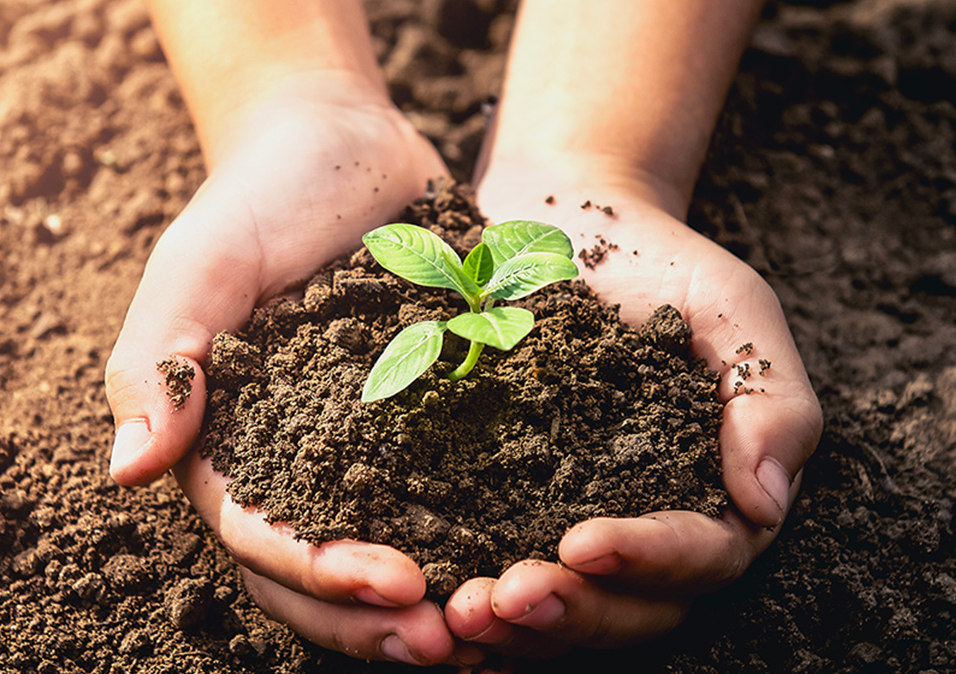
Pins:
x,y
305,152
293,115
577,126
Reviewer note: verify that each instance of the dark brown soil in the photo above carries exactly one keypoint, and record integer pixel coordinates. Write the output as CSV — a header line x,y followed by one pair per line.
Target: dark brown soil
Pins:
x,y
832,173
585,418
178,378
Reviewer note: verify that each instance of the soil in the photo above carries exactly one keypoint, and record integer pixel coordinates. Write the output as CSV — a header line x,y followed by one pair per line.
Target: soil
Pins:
x,y
832,173
585,417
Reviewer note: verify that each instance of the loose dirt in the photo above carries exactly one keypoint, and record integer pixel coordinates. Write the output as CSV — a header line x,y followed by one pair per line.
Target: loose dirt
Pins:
x,y
832,173
585,418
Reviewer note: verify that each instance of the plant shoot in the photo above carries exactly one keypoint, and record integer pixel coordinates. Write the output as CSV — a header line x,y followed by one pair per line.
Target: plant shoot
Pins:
x,y
513,260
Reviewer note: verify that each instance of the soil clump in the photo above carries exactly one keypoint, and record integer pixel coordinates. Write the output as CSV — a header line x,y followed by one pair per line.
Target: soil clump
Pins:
x,y
586,417
832,173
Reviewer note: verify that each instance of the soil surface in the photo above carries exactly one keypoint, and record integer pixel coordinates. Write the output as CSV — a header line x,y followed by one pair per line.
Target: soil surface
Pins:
x,y
832,173
585,417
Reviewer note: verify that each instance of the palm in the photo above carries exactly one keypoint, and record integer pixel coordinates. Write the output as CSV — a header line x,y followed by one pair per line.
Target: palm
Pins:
x,y
309,182
303,182
640,257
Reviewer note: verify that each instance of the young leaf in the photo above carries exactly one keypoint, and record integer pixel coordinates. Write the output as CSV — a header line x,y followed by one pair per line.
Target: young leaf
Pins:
x,y
500,327
404,360
517,237
524,274
478,265
416,254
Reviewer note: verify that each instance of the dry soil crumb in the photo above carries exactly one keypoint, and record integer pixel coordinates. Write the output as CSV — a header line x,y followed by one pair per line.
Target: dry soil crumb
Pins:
x,y
594,256
585,417
178,376
747,348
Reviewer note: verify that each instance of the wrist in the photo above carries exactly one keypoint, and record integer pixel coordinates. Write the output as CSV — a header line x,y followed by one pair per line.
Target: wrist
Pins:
x,y
579,176
292,97
226,54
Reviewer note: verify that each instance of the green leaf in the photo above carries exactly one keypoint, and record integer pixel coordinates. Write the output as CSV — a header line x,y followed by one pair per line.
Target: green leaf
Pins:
x,y
478,265
517,237
416,254
500,327
526,273
404,360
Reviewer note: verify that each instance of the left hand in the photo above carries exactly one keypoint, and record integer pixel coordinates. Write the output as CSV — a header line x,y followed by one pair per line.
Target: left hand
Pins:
x,y
623,581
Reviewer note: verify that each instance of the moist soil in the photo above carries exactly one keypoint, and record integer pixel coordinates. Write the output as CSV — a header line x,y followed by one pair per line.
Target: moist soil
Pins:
x,y
832,173
585,418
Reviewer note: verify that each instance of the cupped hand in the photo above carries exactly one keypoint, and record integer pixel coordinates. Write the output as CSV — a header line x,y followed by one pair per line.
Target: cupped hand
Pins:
x,y
623,581
296,178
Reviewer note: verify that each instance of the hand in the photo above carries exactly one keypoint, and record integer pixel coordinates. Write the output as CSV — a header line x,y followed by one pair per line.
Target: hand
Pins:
x,y
628,580
302,173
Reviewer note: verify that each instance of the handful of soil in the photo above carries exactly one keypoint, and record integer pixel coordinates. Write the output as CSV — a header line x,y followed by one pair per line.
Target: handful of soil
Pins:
x,y
585,417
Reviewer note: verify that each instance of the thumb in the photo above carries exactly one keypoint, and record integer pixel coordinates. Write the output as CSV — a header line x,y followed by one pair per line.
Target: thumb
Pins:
x,y
765,440
772,419
193,286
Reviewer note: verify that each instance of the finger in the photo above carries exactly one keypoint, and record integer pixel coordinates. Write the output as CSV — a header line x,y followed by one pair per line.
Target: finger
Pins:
x,y
765,440
415,634
567,608
675,553
772,419
192,287
469,614
337,571
471,618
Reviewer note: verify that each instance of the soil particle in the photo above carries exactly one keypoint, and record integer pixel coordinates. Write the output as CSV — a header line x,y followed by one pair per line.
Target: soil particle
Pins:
x,y
178,377
90,587
126,573
594,256
135,642
187,602
586,417
832,173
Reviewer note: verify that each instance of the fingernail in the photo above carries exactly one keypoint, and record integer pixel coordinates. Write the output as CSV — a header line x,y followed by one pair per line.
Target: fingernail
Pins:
x,y
131,438
775,481
483,632
610,563
394,648
546,614
367,595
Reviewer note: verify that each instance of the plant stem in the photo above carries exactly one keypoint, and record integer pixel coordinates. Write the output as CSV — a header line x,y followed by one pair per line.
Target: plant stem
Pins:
x,y
462,370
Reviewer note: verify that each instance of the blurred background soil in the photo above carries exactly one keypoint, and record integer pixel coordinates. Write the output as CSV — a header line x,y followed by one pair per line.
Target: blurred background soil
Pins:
x,y
832,172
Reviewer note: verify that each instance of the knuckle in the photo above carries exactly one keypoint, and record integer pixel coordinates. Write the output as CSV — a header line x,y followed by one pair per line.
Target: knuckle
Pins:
x,y
732,557
600,632
316,580
337,641
119,384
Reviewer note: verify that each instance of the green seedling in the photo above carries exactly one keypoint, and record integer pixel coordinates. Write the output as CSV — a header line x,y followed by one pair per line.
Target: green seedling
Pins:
x,y
513,260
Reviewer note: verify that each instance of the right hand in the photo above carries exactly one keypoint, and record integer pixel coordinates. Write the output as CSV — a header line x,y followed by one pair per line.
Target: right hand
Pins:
x,y
302,174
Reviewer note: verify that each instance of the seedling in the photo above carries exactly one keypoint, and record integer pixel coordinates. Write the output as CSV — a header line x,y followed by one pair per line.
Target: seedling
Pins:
x,y
513,260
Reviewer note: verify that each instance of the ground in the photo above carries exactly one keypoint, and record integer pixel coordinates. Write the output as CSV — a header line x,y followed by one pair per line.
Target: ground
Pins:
x,y
832,173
